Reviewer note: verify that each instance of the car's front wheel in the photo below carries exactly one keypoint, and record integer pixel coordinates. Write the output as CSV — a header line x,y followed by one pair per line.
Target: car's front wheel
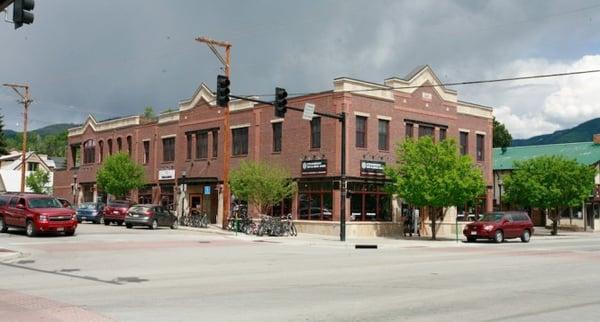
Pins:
x,y
106,222
499,236
3,227
175,224
526,236
129,226
100,221
471,239
30,229
154,224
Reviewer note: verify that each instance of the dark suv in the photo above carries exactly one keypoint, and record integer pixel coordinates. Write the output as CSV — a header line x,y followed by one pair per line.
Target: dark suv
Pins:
x,y
499,226
115,211
36,213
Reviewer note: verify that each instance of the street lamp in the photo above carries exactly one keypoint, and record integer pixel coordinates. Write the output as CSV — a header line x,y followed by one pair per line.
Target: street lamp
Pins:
x,y
500,182
74,188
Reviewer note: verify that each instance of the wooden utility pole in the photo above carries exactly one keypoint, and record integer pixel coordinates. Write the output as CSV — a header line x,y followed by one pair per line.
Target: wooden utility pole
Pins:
x,y
211,43
26,100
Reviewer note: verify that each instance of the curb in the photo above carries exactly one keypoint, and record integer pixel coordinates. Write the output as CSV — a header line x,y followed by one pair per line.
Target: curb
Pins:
x,y
10,255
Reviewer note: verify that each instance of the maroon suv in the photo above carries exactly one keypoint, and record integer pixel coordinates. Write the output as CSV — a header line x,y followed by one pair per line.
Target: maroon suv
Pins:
x,y
499,226
36,213
115,211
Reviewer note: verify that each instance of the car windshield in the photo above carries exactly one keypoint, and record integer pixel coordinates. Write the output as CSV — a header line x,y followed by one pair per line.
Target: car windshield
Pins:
x,y
90,206
492,217
44,203
139,209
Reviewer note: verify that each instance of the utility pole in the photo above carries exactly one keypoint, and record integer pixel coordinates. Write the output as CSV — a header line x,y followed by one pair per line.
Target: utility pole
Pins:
x,y
25,101
211,43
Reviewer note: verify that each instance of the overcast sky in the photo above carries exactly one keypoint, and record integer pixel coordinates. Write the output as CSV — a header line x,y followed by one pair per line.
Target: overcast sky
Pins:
x,y
113,58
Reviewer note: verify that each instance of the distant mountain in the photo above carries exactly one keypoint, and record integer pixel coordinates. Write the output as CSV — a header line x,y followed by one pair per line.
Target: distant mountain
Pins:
x,y
50,129
580,133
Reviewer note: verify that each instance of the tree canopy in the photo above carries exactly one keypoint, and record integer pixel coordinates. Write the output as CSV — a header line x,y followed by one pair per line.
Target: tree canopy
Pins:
x,y
261,183
429,174
50,144
118,175
502,138
550,182
38,181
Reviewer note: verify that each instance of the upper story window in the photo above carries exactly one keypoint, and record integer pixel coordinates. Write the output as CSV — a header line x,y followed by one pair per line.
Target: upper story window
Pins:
x,y
480,147
76,155
215,143
201,145
146,152
188,147
89,151
277,129
129,145
168,149
101,147
32,166
425,130
408,131
384,135
119,144
361,132
442,134
464,143
240,141
315,133
110,150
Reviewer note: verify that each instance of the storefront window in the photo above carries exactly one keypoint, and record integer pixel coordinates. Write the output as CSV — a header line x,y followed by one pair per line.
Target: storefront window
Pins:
x,y
282,208
315,201
369,202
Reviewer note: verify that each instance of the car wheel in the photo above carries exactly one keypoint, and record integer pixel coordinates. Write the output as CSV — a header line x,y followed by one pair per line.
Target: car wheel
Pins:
x,y
106,222
499,236
78,221
119,223
526,236
129,226
101,220
471,239
175,224
30,229
69,233
154,224
3,227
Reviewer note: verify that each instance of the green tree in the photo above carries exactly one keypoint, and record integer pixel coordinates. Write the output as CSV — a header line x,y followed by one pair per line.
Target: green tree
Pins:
x,y
550,183
434,176
118,175
261,184
38,181
3,142
149,112
502,138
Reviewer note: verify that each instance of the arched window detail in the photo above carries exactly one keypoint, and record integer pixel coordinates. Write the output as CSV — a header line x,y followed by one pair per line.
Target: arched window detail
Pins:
x,y
110,150
129,145
101,152
119,145
89,151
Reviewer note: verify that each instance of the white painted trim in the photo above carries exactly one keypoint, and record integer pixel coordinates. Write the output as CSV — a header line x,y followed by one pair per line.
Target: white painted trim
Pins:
x,y
238,126
146,140
168,136
277,120
383,117
356,113
464,130
365,88
474,109
480,132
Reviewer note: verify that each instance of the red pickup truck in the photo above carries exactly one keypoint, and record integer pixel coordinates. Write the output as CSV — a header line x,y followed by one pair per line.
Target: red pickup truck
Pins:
x,y
115,211
36,213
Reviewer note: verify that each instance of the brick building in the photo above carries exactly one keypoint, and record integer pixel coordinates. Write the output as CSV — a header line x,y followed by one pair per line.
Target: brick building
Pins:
x,y
186,145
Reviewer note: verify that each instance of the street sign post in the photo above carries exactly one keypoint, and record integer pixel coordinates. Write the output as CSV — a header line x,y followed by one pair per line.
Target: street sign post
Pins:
x,y
309,112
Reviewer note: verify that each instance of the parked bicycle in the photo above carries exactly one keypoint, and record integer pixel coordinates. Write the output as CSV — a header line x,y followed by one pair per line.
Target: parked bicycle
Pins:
x,y
241,221
194,219
277,226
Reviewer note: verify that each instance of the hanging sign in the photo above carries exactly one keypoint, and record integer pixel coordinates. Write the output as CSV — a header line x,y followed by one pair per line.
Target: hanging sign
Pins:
x,y
314,166
369,167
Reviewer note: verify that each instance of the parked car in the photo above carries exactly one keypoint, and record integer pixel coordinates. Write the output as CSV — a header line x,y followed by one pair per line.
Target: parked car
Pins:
x,y
66,203
315,213
115,211
150,215
36,213
91,211
499,226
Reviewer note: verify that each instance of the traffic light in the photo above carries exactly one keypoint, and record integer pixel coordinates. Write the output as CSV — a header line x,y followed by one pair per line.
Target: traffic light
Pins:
x,y
280,102
222,90
21,12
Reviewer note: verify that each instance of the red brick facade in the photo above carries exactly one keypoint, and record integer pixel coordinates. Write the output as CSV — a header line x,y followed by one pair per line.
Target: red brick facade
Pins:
x,y
426,106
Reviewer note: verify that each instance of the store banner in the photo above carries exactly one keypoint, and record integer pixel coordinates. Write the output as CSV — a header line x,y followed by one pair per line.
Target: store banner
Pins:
x,y
372,168
314,167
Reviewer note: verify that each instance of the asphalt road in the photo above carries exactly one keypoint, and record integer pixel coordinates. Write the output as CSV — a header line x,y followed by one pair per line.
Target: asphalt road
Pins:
x,y
112,273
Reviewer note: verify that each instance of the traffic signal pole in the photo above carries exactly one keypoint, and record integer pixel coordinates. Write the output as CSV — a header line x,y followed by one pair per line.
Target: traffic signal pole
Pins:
x,y
26,101
343,181
211,43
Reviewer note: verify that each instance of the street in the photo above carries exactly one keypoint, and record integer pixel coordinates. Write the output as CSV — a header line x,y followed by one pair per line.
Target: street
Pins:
x,y
112,273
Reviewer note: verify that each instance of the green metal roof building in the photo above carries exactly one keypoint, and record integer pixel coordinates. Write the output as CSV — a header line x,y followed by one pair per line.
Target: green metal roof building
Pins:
x,y
584,152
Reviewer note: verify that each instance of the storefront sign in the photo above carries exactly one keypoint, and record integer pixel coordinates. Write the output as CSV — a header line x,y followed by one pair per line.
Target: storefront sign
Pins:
x,y
314,167
166,174
207,190
374,168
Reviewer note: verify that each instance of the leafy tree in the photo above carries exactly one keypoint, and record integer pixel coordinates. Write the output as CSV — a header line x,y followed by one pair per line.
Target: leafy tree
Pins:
x,y
50,144
502,138
261,184
550,183
118,175
149,112
38,181
435,176
3,141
